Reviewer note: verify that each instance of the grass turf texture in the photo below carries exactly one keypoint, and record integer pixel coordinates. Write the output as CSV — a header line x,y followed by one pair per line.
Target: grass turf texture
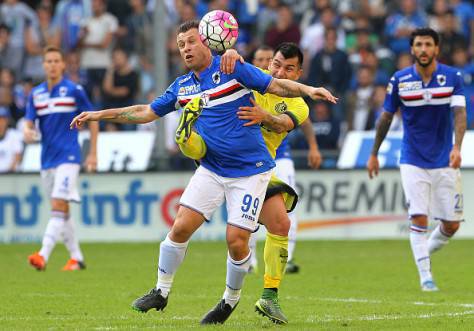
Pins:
x,y
343,285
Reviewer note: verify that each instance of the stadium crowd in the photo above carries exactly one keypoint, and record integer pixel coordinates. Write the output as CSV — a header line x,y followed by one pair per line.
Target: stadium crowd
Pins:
x,y
351,47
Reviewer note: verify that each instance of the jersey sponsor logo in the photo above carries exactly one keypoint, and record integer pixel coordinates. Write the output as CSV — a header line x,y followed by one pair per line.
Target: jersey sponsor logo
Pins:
x,y
190,89
281,107
441,79
410,86
216,77
405,77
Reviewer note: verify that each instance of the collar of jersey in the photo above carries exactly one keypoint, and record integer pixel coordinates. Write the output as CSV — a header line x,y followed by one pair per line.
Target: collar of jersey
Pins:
x,y
205,71
417,75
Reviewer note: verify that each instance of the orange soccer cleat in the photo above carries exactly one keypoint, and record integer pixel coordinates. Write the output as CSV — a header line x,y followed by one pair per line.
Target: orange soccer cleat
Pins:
x,y
37,261
73,265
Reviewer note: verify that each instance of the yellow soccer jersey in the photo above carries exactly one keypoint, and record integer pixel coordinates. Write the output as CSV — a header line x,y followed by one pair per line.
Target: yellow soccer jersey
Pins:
x,y
296,108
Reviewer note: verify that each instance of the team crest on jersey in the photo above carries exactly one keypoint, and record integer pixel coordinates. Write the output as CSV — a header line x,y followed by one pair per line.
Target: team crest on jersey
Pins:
x,y
427,95
216,77
62,91
205,99
281,107
441,79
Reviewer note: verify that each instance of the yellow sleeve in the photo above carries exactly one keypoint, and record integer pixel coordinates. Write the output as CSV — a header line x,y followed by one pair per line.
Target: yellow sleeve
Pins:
x,y
298,110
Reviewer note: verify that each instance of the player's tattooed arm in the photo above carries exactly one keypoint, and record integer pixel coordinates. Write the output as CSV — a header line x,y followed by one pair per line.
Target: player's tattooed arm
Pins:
x,y
278,123
256,115
383,125
460,123
290,89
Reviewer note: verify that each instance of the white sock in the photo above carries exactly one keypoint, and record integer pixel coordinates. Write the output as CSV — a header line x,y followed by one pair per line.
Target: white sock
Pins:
x,y
292,235
53,233
71,242
236,271
437,240
171,256
419,247
253,249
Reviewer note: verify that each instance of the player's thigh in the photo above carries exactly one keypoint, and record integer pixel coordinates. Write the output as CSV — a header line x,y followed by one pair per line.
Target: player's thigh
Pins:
x,y
417,188
204,193
187,221
47,178
274,215
65,182
244,197
447,197
285,170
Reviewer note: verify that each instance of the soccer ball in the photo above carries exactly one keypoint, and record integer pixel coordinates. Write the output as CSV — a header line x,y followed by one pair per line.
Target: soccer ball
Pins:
x,y
218,30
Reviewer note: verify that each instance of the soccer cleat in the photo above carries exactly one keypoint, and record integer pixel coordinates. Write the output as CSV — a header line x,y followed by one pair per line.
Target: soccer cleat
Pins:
x,y
190,114
152,299
73,265
292,268
37,261
219,314
268,306
429,286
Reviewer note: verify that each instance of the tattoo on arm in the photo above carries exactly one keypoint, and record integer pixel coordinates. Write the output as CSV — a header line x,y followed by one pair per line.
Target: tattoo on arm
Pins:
x,y
278,123
134,114
460,124
382,128
286,88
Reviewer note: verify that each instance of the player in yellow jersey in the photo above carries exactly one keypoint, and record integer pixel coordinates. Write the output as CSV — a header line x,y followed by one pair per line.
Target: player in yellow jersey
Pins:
x,y
277,116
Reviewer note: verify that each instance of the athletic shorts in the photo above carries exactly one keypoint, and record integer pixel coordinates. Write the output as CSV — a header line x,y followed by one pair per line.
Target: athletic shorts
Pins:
x,y
206,191
434,192
61,182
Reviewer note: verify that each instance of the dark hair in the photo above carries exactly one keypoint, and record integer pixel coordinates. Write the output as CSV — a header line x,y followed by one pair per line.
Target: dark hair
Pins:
x,y
53,49
290,50
264,48
188,25
424,32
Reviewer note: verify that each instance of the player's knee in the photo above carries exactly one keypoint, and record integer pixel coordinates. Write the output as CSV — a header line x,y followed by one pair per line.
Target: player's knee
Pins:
x,y
420,220
279,225
238,244
180,233
60,205
450,227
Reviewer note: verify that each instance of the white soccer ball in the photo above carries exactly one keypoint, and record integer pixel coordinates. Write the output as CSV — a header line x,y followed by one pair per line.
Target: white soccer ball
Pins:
x,y
218,30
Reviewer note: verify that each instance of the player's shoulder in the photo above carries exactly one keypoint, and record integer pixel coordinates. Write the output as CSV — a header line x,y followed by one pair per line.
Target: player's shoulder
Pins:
x,y
183,79
448,70
403,74
40,88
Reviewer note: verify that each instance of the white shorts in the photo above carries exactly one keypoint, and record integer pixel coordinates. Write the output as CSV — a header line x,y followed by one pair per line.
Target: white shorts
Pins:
x,y
206,191
434,192
285,170
61,182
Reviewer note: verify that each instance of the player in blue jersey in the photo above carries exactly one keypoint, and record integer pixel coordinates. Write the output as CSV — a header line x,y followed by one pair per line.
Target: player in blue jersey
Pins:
x,y
53,104
237,165
430,97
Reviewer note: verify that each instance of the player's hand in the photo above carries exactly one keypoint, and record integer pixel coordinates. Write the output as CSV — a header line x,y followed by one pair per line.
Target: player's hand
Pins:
x,y
373,166
86,116
229,59
314,158
91,162
320,93
30,135
254,114
455,158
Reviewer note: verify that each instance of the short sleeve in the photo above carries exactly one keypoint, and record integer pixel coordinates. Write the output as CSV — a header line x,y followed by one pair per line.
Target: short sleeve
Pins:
x,y
166,102
298,111
458,99
252,77
30,113
392,100
82,100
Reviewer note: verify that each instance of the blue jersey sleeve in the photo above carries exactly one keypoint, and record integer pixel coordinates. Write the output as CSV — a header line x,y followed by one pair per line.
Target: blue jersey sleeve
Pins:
x,y
252,77
458,99
82,100
392,100
30,113
166,102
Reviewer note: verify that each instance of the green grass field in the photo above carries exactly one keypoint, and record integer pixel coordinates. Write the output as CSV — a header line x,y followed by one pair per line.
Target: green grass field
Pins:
x,y
343,285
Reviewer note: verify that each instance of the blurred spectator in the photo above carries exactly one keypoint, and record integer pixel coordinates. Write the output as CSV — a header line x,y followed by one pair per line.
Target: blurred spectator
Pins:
x,y
436,14
7,83
267,16
284,30
326,126
330,67
370,60
74,71
313,15
8,55
262,56
120,84
399,26
68,17
18,17
96,41
450,37
376,102
35,40
21,93
359,116
11,145
462,62
312,40
404,60
464,10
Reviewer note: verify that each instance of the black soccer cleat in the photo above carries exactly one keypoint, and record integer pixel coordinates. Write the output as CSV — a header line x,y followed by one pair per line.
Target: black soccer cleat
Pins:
x,y
152,299
219,314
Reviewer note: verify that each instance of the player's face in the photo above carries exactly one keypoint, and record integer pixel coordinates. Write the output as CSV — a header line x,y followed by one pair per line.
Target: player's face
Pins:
x,y
285,68
262,58
192,50
424,50
53,65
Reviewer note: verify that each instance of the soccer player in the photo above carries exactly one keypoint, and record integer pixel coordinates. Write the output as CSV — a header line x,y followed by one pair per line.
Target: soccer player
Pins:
x,y
237,166
428,94
54,104
277,116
